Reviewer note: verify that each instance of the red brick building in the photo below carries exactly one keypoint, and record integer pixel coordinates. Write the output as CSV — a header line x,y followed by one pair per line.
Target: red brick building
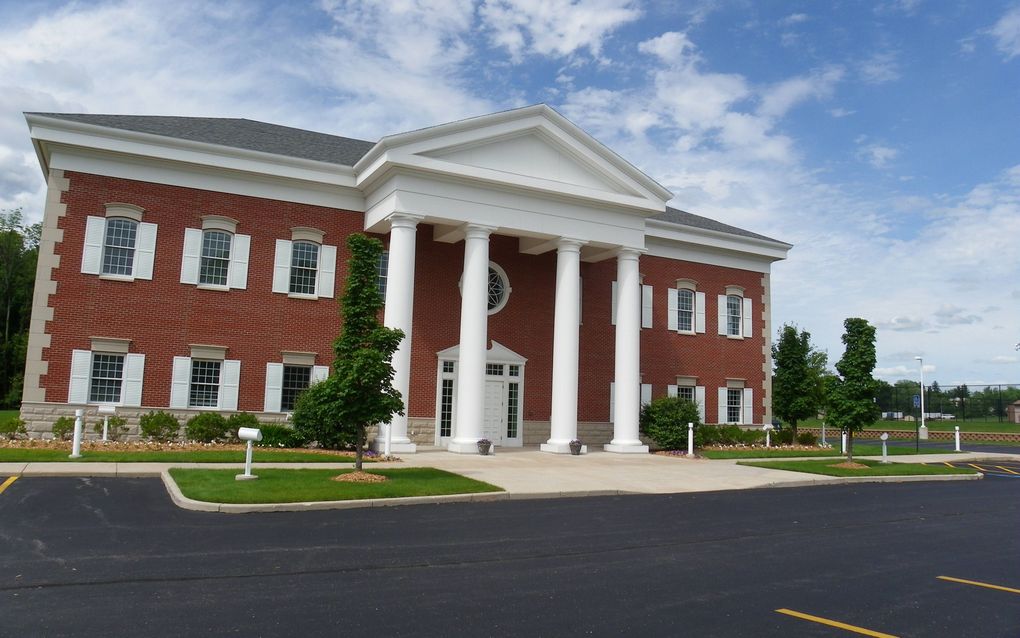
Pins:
x,y
546,288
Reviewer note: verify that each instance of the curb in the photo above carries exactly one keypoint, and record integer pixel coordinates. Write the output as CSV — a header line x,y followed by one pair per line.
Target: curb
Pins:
x,y
840,480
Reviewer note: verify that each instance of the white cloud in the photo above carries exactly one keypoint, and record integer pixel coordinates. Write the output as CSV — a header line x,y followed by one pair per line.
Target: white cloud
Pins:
x,y
950,315
785,95
999,360
554,27
880,68
840,112
902,324
794,18
1006,33
878,155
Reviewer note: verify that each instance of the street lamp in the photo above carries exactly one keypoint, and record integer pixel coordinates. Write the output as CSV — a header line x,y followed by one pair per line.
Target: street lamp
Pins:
x,y
923,430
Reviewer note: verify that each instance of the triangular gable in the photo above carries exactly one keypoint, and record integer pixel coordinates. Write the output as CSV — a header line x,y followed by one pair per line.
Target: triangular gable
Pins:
x,y
534,148
498,353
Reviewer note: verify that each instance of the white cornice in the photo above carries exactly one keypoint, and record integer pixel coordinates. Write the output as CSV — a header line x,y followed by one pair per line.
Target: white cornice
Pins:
x,y
673,232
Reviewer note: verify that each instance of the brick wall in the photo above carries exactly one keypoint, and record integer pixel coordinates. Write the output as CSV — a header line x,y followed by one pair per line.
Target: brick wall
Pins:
x,y
163,316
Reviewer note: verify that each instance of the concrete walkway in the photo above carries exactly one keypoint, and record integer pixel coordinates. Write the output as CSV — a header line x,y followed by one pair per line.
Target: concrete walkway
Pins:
x,y
522,473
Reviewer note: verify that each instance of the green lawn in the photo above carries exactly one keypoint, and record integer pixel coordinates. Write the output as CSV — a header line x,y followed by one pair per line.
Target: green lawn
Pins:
x,y
859,450
987,425
38,455
874,468
6,414
291,486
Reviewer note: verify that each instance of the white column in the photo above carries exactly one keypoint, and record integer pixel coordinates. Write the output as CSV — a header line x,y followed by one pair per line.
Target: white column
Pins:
x,y
565,347
474,317
628,355
398,314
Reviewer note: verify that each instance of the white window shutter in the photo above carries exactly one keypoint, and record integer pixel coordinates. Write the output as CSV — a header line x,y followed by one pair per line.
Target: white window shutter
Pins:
x,y
672,310
613,319
646,306
612,401
671,391
722,406
238,277
230,378
699,398
748,406
180,382
134,371
327,271
722,314
192,258
319,373
748,318
281,266
646,393
92,254
699,312
81,369
274,387
145,250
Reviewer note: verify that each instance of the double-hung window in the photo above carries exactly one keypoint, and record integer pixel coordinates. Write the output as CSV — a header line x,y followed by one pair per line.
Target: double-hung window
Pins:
x,y
736,403
205,380
106,374
119,245
304,266
686,307
685,311
736,319
383,270
287,380
734,407
216,256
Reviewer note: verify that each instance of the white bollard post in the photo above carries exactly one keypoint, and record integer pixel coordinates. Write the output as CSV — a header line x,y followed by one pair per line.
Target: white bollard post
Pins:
x,y
957,438
250,435
823,432
768,434
842,444
76,445
106,428
690,439
247,460
387,443
885,451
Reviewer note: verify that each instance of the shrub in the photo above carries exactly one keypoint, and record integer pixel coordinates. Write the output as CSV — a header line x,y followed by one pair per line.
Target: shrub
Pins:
x,y
14,427
807,438
240,420
730,435
63,428
116,429
159,425
665,421
206,427
274,435
782,437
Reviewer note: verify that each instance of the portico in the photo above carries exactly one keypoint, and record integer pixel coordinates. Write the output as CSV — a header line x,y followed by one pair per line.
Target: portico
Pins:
x,y
538,178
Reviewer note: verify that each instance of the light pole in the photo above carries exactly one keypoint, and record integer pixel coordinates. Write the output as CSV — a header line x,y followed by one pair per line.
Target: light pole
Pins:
x,y
922,429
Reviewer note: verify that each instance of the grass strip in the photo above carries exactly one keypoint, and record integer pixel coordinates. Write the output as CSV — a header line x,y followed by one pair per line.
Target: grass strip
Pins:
x,y
874,468
41,455
859,450
291,486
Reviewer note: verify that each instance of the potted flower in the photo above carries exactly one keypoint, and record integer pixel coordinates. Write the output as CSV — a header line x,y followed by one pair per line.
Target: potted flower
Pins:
x,y
484,445
575,447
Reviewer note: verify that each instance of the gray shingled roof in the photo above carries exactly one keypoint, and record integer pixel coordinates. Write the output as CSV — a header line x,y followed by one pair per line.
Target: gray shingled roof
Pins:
x,y
295,142
236,133
683,218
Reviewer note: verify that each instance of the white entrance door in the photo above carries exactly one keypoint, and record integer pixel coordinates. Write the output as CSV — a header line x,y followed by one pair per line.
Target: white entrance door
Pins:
x,y
495,411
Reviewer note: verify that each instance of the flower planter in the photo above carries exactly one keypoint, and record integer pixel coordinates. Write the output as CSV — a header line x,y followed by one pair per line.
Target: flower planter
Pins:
x,y
575,447
484,446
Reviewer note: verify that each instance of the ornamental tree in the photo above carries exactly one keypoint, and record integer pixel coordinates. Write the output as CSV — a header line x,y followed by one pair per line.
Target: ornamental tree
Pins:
x,y
851,394
795,384
359,392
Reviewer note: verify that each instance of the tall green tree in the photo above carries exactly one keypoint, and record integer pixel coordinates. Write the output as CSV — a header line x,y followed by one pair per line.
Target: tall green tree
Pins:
x,y
796,383
359,392
851,394
19,247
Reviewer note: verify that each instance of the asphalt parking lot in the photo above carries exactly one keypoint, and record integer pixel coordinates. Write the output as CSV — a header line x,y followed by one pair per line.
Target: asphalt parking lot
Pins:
x,y
990,468
94,557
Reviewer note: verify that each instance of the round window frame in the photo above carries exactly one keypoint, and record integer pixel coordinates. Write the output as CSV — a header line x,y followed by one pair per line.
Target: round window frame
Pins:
x,y
507,289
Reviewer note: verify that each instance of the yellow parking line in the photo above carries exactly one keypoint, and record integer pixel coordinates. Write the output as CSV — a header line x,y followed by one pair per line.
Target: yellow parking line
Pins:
x,y
948,464
7,483
978,584
834,623
978,468
1006,469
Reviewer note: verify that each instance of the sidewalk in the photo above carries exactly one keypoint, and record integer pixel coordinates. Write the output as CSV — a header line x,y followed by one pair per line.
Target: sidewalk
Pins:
x,y
529,473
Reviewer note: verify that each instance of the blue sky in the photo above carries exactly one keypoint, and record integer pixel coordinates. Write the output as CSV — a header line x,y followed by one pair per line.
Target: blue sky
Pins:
x,y
880,138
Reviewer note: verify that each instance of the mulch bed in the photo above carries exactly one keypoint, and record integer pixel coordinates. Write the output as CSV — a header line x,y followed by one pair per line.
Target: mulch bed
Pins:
x,y
360,477
153,446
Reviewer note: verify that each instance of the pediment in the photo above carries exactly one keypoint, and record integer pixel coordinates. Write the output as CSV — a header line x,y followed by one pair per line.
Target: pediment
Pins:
x,y
534,155
532,148
498,353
